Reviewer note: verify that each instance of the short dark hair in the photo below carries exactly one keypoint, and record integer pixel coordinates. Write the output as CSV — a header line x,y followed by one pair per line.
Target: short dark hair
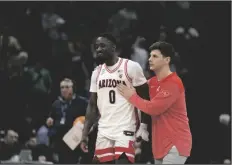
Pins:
x,y
165,48
109,36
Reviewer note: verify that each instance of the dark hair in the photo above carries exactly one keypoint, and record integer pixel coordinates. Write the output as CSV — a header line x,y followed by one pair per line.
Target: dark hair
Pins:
x,y
165,48
109,36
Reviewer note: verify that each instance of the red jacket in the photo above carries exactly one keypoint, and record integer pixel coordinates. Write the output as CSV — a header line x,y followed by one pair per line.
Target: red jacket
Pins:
x,y
167,108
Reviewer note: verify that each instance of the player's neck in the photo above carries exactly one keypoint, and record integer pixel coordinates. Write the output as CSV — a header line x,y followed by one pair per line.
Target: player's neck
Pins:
x,y
112,61
162,73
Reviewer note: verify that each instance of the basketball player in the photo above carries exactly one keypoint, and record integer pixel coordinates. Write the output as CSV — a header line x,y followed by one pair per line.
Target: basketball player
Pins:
x,y
117,123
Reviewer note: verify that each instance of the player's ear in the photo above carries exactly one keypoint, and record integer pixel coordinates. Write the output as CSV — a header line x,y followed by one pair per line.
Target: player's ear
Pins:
x,y
168,59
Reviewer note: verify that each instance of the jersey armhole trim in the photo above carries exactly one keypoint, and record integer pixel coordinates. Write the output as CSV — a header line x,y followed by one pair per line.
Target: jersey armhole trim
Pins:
x,y
126,72
99,71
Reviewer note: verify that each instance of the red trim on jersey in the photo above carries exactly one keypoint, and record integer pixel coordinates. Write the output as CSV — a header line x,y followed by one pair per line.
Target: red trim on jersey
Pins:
x,y
129,150
126,150
111,71
126,73
99,71
104,151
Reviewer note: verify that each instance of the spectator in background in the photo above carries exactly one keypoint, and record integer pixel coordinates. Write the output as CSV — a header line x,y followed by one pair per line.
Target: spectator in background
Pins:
x,y
80,65
13,57
182,29
163,33
51,22
9,147
123,26
121,23
14,94
140,54
179,19
42,153
40,88
163,36
31,33
65,110
60,60
38,152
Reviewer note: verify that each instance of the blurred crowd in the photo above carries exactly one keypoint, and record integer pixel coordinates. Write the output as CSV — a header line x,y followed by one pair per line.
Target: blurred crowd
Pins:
x,y
42,43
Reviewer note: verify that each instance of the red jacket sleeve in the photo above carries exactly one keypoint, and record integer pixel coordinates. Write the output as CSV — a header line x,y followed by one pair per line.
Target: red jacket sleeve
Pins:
x,y
163,100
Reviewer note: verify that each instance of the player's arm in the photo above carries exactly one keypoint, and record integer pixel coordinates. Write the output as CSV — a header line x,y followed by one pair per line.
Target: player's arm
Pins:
x,y
160,103
91,111
91,115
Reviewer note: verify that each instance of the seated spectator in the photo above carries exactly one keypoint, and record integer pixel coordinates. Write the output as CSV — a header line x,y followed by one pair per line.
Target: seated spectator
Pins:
x,y
39,152
9,147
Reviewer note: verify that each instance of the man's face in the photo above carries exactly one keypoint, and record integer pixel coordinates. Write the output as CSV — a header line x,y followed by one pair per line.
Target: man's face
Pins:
x,y
66,88
157,60
12,137
104,48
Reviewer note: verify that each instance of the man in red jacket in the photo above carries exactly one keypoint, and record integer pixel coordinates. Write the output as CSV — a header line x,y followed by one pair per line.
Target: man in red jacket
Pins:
x,y
171,136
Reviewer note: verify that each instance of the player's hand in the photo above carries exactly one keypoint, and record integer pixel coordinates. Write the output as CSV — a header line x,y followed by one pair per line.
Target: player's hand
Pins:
x,y
49,122
126,91
84,145
142,133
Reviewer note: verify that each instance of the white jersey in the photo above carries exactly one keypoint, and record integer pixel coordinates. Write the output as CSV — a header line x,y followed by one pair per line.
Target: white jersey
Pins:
x,y
117,114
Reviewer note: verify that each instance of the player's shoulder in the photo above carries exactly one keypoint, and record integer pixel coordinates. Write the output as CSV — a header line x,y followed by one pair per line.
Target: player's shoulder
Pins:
x,y
175,79
97,69
132,64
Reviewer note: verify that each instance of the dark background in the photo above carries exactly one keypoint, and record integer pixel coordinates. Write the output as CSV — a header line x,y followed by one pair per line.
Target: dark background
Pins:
x,y
206,58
